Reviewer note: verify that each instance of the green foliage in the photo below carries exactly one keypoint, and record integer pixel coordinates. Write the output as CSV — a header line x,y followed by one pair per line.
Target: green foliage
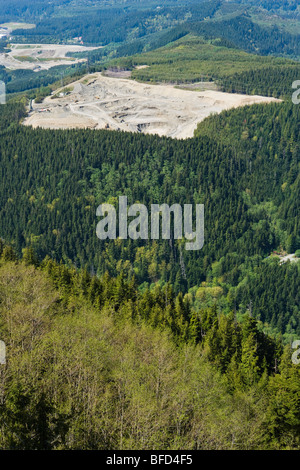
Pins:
x,y
95,364
52,182
251,37
22,79
111,23
266,81
192,59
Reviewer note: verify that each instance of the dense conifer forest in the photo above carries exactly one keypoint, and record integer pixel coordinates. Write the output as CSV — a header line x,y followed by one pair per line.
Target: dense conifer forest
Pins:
x,y
247,178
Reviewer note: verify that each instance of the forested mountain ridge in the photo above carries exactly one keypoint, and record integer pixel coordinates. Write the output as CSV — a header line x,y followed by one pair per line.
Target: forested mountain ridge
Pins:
x,y
191,59
290,6
247,35
103,23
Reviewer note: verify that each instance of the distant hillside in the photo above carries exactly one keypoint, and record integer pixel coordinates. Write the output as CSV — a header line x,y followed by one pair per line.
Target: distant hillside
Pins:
x,y
106,23
288,6
193,59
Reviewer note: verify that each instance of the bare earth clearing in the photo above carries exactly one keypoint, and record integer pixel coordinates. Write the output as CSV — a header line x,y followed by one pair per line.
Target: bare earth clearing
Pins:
x,y
38,57
12,26
101,102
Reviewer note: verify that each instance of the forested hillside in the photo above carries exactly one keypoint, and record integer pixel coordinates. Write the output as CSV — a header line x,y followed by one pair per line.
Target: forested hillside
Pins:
x,y
109,22
251,37
95,364
101,23
229,29
21,79
267,81
288,6
247,179
192,59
